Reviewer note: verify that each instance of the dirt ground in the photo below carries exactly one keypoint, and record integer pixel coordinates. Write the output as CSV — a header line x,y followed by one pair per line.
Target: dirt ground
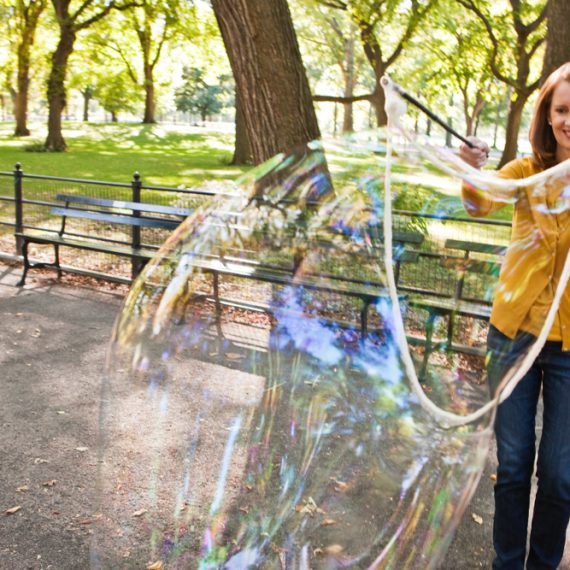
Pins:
x,y
53,341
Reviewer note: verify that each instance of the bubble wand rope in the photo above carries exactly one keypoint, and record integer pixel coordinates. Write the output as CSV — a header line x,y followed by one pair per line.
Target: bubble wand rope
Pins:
x,y
440,415
508,385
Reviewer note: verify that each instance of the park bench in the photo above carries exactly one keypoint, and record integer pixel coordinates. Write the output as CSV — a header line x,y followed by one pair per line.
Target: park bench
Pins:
x,y
366,291
114,213
460,303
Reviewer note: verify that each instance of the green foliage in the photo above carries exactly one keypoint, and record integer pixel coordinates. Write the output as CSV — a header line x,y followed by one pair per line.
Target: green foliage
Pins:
x,y
116,93
197,96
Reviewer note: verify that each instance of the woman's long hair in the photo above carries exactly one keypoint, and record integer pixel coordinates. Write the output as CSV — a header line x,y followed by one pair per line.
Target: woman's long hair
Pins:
x,y
541,136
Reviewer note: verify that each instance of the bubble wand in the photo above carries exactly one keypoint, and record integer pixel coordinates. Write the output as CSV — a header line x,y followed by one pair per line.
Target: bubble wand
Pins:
x,y
405,95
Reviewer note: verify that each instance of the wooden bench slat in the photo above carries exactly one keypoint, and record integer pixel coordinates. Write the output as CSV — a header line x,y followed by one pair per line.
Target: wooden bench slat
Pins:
x,y
476,247
117,249
471,265
115,218
122,204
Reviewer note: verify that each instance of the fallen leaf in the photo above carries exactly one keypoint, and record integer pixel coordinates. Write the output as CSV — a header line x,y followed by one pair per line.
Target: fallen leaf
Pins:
x,y
81,449
86,521
50,483
334,549
340,486
37,461
244,510
234,355
478,519
22,489
328,522
60,412
13,510
140,513
158,565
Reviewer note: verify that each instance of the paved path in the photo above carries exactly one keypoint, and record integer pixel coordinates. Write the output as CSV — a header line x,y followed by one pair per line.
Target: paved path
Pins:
x,y
52,346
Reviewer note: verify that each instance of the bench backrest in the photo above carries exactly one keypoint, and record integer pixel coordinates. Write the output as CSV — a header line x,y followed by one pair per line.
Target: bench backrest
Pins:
x,y
113,211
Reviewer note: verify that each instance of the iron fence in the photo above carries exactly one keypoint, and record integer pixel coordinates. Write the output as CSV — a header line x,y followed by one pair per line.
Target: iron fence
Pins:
x,y
26,201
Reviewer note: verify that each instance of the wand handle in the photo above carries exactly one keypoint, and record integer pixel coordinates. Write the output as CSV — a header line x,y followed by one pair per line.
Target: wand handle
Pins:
x,y
430,114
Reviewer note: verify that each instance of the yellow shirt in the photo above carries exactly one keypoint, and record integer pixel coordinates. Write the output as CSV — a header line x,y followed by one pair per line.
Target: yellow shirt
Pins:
x,y
533,264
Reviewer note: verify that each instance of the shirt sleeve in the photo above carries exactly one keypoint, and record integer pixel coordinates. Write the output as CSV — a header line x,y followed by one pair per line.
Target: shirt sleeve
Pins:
x,y
479,203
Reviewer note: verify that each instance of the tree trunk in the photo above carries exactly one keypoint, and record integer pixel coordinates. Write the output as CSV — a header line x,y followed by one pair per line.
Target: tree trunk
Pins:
x,y
512,132
242,152
114,118
270,78
557,36
378,101
86,99
21,102
348,117
149,97
56,88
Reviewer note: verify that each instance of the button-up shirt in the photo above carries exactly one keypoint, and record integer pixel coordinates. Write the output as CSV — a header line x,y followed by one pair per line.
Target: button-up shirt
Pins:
x,y
535,257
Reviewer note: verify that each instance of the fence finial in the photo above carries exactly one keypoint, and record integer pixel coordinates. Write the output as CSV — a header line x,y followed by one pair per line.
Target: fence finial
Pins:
x,y
18,166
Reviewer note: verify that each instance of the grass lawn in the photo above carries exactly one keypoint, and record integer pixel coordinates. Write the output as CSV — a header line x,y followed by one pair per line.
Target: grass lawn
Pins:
x,y
175,155
165,155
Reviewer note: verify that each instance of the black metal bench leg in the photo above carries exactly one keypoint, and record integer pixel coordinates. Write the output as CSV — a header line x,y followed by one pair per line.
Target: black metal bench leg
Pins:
x,y
364,320
428,345
450,330
22,281
57,265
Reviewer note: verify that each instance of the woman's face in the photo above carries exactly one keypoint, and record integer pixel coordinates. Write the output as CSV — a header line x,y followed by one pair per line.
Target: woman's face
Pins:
x,y
559,118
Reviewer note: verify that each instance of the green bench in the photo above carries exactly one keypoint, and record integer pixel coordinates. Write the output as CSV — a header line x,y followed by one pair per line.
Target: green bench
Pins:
x,y
118,213
460,303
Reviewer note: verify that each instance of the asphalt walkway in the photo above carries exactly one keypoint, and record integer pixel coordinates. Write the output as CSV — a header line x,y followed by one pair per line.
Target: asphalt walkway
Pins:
x,y
52,348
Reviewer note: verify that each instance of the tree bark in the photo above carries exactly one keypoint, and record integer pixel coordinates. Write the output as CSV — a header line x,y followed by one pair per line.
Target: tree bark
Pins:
x,y
29,16
512,132
557,36
21,102
348,116
87,96
56,88
149,97
270,78
242,151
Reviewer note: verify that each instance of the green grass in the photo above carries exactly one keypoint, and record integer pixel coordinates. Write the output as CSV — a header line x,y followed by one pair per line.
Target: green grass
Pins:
x,y
164,155
175,155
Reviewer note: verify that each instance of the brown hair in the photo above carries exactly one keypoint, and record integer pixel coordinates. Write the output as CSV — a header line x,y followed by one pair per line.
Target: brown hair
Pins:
x,y
541,136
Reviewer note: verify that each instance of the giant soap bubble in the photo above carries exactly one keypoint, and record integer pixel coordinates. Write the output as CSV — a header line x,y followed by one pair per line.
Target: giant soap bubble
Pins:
x,y
271,399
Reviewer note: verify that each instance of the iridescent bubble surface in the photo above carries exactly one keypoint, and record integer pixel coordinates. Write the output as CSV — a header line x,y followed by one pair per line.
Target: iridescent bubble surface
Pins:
x,y
270,401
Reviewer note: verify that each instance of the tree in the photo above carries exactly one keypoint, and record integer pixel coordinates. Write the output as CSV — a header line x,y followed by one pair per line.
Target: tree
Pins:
x,y
516,31
70,23
382,50
116,93
460,53
270,78
557,36
330,47
197,96
26,16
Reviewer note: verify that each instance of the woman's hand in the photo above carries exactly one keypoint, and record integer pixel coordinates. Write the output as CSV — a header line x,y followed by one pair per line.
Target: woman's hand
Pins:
x,y
477,155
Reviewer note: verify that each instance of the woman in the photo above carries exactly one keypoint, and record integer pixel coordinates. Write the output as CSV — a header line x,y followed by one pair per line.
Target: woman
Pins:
x,y
529,276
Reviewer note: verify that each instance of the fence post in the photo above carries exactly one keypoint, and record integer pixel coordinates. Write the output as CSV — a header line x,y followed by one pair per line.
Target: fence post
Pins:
x,y
136,185
18,175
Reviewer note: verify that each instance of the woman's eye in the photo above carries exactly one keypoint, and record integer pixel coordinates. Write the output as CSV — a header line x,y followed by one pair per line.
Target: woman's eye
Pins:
x,y
561,110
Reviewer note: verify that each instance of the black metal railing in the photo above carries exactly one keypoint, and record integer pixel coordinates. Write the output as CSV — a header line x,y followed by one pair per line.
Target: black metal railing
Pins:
x,y
26,201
